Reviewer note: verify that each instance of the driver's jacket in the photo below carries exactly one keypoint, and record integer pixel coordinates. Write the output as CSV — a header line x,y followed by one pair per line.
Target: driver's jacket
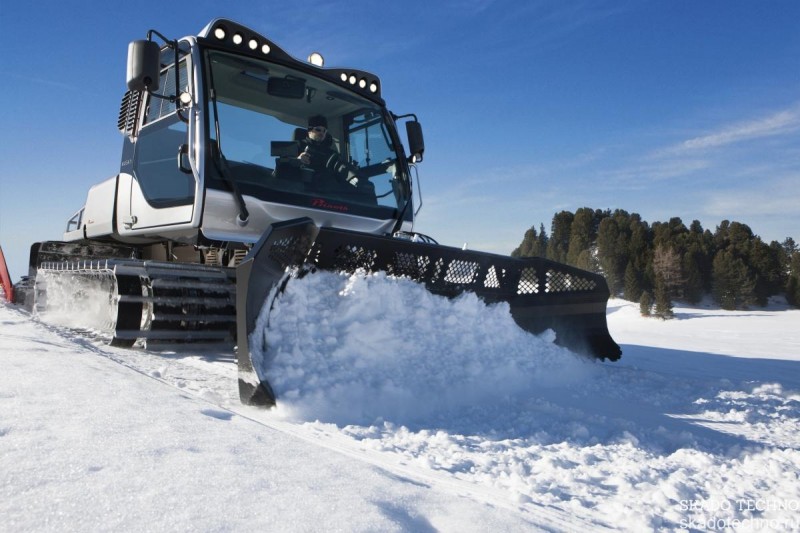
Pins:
x,y
324,157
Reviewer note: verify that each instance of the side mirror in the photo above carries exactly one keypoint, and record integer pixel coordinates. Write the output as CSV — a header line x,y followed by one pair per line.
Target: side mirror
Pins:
x,y
144,65
416,143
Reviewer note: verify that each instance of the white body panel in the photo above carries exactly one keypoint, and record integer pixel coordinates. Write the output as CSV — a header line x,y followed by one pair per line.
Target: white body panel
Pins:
x,y
219,218
98,215
136,217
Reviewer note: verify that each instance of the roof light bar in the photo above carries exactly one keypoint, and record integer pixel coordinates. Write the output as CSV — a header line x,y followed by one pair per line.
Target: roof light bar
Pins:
x,y
363,82
220,32
235,35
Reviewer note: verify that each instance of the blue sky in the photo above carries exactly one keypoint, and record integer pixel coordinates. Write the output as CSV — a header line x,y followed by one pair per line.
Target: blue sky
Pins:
x,y
664,108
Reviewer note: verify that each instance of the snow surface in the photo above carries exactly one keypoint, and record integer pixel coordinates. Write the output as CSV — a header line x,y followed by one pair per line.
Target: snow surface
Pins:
x,y
402,411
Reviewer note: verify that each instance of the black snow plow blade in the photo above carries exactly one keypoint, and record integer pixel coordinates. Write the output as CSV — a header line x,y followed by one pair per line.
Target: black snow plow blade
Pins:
x,y
542,294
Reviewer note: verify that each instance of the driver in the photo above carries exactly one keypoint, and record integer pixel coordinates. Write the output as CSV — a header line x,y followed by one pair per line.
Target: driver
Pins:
x,y
317,151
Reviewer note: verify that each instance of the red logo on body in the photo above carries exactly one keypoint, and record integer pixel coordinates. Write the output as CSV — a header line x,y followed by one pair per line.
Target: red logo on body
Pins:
x,y
324,204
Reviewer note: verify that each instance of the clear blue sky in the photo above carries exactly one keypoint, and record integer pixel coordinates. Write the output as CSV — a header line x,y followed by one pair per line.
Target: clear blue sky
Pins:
x,y
664,108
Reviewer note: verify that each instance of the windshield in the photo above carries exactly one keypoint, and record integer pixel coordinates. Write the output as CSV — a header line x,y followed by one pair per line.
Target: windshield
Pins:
x,y
260,116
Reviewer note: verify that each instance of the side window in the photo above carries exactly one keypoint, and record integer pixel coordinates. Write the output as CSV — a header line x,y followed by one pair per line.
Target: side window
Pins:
x,y
368,141
159,107
160,137
369,147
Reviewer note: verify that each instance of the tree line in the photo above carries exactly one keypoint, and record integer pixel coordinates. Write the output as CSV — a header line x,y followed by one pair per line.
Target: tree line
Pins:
x,y
654,264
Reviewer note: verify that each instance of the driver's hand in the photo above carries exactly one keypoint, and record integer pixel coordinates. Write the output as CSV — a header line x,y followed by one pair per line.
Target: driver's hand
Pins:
x,y
305,157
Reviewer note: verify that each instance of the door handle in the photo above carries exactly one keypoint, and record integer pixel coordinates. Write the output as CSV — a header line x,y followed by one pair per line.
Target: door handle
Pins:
x,y
183,157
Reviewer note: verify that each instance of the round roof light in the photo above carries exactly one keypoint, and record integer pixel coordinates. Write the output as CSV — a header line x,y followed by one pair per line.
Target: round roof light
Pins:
x,y
373,87
362,83
219,33
238,39
352,79
343,76
316,59
253,44
265,49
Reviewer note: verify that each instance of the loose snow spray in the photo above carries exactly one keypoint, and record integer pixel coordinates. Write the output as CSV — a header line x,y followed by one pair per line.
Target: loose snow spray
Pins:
x,y
84,300
353,349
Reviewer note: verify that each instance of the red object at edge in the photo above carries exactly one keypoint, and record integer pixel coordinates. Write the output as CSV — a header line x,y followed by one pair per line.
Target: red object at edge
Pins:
x,y
5,280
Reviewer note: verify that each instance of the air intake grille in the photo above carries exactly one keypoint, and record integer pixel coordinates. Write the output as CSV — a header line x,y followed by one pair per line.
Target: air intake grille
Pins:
x,y
128,112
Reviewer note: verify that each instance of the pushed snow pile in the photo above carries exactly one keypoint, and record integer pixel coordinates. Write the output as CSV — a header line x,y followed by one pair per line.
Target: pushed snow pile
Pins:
x,y
356,348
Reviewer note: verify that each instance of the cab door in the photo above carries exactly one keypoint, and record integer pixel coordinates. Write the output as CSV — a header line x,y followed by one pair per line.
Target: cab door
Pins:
x,y
161,188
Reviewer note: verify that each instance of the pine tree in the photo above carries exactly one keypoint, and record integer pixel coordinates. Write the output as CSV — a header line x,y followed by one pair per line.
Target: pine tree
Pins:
x,y
732,285
663,303
639,252
533,244
793,291
696,262
793,282
667,267
542,242
612,250
558,244
789,247
580,238
693,286
528,245
646,304
633,284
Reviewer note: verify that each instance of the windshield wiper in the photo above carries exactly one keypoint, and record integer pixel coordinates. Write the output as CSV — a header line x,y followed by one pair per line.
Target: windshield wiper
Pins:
x,y
222,165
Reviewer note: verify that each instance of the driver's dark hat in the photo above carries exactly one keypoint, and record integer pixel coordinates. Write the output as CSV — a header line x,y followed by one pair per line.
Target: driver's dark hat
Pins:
x,y
317,120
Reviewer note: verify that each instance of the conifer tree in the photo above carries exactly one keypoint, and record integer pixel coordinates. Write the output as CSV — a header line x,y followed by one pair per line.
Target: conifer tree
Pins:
x,y
533,244
789,247
612,250
693,280
580,238
697,262
793,282
663,300
558,244
633,284
646,304
766,262
732,285
542,240
793,291
667,267
528,245
639,251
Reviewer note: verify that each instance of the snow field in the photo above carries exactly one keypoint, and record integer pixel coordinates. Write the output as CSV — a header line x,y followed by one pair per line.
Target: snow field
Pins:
x,y
401,411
